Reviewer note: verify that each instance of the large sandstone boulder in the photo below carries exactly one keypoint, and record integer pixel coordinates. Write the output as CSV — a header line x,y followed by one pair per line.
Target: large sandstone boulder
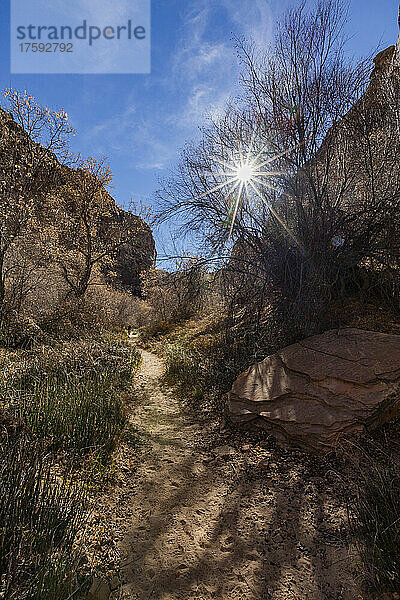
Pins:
x,y
312,393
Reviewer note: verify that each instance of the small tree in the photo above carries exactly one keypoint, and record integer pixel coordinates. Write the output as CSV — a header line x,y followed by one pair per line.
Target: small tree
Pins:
x,y
32,138
90,227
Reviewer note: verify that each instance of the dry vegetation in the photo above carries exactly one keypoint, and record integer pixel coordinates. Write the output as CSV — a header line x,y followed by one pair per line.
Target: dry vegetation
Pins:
x,y
319,251
61,418
65,376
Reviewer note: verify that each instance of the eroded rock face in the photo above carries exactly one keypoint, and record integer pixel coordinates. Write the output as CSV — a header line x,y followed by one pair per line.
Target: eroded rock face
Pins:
x,y
312,393
123,267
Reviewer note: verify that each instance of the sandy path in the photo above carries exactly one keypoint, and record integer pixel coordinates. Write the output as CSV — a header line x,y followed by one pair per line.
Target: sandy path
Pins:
x,y
200,526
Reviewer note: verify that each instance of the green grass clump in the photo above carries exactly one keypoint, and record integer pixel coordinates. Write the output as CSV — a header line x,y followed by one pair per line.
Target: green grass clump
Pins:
x,y
186,368
63,401
75,414
40,515
72,395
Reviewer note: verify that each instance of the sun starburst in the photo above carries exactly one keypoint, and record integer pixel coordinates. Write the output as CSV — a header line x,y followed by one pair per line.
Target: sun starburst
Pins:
x,y
245,175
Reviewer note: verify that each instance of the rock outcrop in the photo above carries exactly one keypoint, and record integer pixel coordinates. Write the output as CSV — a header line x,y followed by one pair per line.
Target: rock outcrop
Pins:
x,y
131,260
125,265
314,392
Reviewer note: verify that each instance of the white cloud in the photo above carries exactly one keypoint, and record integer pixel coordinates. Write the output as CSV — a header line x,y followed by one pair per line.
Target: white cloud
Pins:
x,y
253,18
151,150
209,69
128,133
113,132
202,76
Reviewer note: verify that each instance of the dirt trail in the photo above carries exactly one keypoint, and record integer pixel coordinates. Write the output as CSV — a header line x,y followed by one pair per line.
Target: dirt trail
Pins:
x,y
202,524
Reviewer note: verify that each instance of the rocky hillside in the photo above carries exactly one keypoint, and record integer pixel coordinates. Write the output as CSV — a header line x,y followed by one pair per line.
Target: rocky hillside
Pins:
x,y
54,187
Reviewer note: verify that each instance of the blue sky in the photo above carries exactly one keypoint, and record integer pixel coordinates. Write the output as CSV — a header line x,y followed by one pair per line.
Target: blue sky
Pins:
x,y
142,121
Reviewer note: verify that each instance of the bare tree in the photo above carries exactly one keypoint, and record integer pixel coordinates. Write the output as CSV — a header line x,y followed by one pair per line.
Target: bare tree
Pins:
x,y
88,226
312,223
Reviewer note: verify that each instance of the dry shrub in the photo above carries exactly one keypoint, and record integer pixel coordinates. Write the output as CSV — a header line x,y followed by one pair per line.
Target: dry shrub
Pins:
x,y
19,332
83,357
115,309
178,295
276,294
102,307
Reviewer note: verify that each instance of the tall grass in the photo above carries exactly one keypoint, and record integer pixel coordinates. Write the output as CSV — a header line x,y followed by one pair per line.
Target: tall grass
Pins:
x,y
72,401
201,374
69,398
75,414
40,515
375,514
186,368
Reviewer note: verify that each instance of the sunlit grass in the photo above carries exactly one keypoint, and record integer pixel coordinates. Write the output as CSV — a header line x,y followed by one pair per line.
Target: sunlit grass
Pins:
x,y
62,414
72,413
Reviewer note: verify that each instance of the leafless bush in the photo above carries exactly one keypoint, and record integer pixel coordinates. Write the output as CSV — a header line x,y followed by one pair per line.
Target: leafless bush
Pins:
x,y
178,295
116,309
373,502
321,225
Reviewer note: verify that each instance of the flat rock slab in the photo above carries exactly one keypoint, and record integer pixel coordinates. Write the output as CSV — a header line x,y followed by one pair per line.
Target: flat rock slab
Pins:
x,y
312,393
